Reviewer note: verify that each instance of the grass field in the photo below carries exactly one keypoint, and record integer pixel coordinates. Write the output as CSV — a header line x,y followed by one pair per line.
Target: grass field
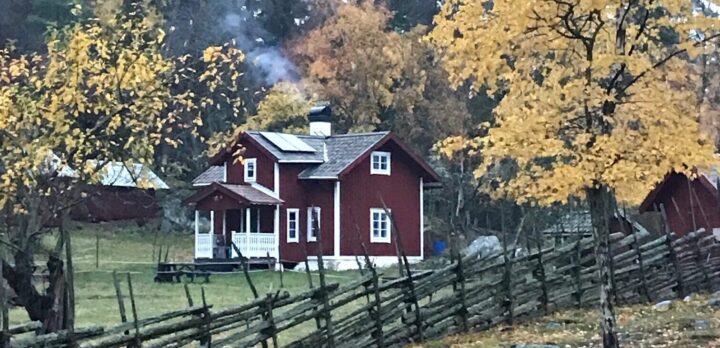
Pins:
x,y
128,248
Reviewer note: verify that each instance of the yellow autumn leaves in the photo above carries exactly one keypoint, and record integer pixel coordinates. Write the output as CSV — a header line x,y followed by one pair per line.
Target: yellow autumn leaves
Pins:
x,y
103,91
567,122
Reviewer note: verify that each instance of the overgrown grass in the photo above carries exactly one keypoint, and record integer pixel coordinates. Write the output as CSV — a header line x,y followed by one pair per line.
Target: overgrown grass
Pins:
x,y
128,248
640,326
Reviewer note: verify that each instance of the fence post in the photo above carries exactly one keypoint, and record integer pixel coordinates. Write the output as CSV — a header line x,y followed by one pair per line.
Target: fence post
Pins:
x,y
545,298
206,340
377,313
673,256
323,285
460,285
121,301
134,312
577,259
4,336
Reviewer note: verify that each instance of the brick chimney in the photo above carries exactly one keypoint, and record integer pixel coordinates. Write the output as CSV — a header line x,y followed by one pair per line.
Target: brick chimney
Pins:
x,y
320,119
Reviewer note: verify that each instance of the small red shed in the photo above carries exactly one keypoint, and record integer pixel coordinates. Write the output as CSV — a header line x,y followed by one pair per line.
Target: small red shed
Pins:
x,y
690,204
286,184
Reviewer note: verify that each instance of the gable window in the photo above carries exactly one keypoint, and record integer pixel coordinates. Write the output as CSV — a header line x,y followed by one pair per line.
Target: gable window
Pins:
x,y
293,215
250,169
379,226
313,223
380,163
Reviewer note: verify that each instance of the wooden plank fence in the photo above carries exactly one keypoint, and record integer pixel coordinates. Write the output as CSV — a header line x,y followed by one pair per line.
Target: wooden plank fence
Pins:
x,y
472,293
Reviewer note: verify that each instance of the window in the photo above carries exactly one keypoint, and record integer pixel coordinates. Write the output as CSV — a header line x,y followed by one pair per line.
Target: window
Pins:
x,y
379,226
313,223
250,169
293,215
380,163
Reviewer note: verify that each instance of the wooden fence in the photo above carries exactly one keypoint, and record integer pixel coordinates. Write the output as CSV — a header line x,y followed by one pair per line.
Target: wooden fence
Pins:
x,y
472,293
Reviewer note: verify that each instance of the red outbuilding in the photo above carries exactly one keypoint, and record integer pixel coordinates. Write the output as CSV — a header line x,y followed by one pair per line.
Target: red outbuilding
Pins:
x,y
289,192
690,204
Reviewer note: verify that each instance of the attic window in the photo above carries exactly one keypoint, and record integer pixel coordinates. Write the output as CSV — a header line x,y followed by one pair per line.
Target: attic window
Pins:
x,y
250,169
380,163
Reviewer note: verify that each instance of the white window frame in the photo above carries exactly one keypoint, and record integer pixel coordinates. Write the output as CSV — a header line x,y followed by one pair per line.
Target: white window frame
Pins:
x,y
378,155
310,229
246,162
380,239
297,225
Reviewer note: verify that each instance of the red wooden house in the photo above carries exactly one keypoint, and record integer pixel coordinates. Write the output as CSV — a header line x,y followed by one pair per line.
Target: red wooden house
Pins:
x,y
690,204
265,203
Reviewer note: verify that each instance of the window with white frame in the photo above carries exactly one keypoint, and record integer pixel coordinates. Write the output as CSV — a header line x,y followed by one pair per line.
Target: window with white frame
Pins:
x,y
380,163
250,169
379,226
313,223
293,230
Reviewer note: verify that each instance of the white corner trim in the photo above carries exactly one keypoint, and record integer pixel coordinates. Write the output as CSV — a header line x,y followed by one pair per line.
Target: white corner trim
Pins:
x,y
225,170
212,222
336,219
422,220
276,180
197,222
224,212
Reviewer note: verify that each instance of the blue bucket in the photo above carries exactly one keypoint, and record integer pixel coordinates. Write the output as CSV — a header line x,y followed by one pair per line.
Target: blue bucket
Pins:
x,y
439,247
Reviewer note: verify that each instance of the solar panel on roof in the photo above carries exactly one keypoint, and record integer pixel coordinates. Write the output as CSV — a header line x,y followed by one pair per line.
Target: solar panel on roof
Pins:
x,y
287,142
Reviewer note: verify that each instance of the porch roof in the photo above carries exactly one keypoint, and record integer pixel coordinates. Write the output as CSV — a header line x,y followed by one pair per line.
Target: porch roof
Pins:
x,y
242,193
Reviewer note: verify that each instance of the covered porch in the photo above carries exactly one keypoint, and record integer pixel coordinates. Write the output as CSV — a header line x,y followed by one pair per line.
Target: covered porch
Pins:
x,y
227,214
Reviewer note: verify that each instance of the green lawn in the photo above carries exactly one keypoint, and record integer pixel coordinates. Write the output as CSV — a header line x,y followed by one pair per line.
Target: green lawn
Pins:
x,y
128,248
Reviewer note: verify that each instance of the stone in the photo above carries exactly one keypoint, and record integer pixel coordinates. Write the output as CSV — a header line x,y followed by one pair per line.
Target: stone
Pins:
x,y
663,306
553,325
689,298
714,303
483,246
701,324
533,345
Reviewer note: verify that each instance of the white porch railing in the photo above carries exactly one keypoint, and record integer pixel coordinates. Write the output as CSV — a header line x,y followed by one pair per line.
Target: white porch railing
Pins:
x,y
254,244
203,245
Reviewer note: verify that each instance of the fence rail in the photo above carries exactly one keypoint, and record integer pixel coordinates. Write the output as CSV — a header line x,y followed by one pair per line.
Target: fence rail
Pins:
x,y
471,293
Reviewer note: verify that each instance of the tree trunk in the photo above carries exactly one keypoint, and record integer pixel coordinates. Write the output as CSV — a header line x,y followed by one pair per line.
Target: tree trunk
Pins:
x,y
600,200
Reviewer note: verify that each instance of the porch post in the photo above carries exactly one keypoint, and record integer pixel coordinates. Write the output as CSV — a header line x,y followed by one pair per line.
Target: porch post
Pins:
x,y
276,232
197,231
247,231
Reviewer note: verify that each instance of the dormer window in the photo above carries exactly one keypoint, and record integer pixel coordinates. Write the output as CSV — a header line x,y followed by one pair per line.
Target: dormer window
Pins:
x,y
380,163
250,169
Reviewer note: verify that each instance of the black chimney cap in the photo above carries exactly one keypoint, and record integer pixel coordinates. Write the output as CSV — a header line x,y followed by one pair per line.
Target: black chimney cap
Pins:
x,y
320,113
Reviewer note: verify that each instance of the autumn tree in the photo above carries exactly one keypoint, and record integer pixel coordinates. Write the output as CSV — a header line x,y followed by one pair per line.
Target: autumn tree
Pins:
x,y
597,99
103,92
378,79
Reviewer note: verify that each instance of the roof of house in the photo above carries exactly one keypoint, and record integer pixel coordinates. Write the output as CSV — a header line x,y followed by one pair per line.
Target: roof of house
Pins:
x,y
209,176
244,193
579,221
117,174
334,155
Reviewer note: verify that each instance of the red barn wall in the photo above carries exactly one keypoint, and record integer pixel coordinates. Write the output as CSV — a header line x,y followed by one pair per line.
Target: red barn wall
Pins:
x,y
361,191
681,207
105,203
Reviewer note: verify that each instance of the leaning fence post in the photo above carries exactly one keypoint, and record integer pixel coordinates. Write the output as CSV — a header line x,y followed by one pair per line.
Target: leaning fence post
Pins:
x,y
409,283
323,286
244,265
577,258
645,291
134,312
541,274
189,297
121,301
